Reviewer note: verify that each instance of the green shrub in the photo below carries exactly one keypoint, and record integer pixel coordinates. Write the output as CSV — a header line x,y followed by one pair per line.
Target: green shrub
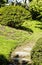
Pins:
x,y
2,2
36,54
13,16
36,9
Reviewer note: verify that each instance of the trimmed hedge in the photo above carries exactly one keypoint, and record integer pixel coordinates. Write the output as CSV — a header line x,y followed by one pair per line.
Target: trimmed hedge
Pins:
x,y
13,16
36,54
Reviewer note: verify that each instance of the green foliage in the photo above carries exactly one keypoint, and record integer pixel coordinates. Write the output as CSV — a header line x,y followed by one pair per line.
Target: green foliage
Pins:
x,y
2,2
36,9
13,16
37,53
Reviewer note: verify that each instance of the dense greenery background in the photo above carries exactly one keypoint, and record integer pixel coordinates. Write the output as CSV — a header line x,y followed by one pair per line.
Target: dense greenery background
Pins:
x,y
36,9
28,24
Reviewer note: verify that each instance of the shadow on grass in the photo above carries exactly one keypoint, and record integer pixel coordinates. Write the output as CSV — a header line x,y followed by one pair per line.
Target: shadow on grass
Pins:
x,y
24,28
20,27
38,26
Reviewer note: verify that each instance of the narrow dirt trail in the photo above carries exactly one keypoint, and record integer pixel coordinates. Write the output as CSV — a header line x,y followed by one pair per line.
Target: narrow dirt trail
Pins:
x,y
24,52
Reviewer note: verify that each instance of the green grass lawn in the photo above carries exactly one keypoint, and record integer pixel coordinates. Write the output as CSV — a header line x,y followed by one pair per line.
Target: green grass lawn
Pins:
x,y
15,34
6,45
11,37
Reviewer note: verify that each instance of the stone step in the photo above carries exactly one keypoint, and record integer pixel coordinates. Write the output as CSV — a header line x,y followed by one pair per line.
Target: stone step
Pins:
x,y
25,59
27,49
22,53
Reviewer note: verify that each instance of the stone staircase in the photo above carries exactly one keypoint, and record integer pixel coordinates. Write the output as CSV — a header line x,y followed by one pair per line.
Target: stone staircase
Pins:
x,y
22,55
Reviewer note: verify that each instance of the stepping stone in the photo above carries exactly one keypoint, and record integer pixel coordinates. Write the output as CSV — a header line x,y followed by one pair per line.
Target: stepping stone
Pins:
x,y
22,53
24,59
27,49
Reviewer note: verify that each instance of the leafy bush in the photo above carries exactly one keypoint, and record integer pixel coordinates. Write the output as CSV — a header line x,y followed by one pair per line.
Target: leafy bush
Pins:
x,y
36,9
36,54
2,2
13,16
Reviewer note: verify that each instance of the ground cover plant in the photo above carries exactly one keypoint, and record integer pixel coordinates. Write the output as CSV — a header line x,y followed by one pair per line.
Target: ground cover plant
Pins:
x,y
37,53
